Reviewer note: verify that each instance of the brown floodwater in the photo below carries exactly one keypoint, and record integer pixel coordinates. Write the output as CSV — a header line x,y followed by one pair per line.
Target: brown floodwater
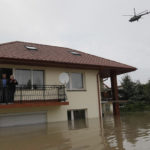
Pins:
x,y
129,132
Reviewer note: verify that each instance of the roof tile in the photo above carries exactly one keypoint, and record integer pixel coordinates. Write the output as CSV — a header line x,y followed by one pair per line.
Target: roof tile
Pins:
x,y
17,50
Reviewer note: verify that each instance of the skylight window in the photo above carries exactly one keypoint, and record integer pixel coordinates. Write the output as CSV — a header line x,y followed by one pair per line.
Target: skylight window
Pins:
x,y
75,53
31,47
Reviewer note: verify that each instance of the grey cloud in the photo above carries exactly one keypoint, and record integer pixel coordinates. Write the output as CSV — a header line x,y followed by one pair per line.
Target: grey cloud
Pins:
x,y
92,26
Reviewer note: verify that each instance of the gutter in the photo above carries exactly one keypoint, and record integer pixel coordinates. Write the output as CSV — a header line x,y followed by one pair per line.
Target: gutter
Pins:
x,y
99,98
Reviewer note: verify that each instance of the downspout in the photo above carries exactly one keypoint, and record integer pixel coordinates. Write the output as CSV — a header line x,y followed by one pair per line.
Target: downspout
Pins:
x,y
99,99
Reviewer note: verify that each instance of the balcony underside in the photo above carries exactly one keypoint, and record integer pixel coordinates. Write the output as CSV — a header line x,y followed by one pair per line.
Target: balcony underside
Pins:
x,y
18,104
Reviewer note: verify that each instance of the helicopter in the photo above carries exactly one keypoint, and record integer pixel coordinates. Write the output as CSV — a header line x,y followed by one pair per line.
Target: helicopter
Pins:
x,y
136,16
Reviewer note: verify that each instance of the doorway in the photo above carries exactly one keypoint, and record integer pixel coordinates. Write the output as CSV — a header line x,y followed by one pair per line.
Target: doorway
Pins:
x,y
6,71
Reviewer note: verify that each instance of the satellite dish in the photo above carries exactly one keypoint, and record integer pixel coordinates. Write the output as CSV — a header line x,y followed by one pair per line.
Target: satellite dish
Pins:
x,y
64,78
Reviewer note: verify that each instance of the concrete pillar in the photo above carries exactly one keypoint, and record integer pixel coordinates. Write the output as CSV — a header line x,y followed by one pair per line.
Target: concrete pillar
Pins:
x,y
115,93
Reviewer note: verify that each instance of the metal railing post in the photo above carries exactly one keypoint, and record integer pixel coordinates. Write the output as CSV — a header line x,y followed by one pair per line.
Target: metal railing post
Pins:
x,y
64,93
44,93
58,94
21,94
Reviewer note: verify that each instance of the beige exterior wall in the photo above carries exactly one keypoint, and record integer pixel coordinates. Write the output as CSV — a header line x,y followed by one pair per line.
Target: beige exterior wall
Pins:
x,y
87,99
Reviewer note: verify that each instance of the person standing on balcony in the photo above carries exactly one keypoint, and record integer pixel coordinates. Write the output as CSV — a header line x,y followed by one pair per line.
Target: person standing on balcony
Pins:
x,y
12,88
4,89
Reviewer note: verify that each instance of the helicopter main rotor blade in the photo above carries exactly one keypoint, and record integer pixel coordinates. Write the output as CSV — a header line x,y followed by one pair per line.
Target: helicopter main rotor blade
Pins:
x,y
143,12
128,15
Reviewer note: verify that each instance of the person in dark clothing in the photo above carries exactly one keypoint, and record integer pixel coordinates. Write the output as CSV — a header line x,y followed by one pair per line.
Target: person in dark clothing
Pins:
x,y
12,88
3,89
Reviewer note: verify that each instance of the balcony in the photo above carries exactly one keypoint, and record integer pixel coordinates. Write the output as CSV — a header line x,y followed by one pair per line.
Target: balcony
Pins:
x,y
27,96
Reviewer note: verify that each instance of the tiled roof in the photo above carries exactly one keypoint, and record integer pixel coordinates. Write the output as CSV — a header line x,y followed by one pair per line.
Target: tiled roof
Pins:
x,y
17,50
45,55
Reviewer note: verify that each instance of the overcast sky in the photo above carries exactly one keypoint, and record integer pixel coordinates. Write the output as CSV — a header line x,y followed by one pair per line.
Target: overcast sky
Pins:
x,y
92,26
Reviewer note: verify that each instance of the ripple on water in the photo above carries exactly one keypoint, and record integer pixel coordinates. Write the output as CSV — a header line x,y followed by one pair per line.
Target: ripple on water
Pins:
x,y
129,132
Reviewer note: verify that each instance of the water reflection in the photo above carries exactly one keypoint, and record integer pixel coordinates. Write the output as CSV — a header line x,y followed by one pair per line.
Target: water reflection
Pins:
x,y
129,132
78,124
113,132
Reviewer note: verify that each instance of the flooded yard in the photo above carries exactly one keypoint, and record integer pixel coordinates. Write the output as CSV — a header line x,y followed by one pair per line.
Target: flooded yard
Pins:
x,y
129,132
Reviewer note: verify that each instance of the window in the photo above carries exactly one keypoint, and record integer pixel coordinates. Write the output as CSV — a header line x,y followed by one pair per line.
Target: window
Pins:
x,y
80,117
75,53
38,78
77,114
76,81
31,48
23,77
29,78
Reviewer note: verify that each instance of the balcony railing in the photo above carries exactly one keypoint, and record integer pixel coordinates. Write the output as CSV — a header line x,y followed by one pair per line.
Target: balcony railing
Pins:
x,y
33,94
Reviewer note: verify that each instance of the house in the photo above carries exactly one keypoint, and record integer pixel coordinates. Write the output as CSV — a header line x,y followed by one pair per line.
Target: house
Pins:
x,y
40,97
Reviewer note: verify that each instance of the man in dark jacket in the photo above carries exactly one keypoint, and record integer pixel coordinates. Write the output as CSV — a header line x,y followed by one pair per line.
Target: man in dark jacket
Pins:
x,y
3,89
12,88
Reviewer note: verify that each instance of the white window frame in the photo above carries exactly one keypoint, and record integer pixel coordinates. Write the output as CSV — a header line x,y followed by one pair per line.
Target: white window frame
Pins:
x,y
70,82
72,113
14,72
32,75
